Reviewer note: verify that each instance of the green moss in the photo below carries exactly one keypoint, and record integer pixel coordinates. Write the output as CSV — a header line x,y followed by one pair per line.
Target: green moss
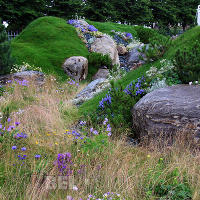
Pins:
x,y
46,43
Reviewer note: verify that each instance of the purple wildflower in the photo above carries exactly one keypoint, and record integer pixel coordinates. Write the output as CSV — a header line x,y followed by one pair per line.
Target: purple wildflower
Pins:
x,y
37,156
105,121
17,123
23,148
8,120
95,132
14,147
129,35
92,28
82,122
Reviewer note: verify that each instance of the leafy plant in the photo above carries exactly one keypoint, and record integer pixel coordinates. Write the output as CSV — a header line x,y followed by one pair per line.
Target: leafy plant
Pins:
x,y
99,60
6,61
166,187
145,34
187,63
156,49
118,102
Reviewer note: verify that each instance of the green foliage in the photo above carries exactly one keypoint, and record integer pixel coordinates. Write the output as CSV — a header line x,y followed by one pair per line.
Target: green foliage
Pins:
x,y
166,187
95,61
20,13
6,61
95,144
46,43
2,90
186,40
117,104
98,60
157,47
145,34
187,63
91,105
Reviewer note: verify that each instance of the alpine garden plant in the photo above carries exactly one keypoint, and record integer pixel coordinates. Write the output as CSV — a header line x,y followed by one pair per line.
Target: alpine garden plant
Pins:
x,y
118,102
156,48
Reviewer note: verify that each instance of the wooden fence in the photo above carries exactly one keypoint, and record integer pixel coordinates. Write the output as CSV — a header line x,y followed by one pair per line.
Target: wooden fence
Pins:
x,y
12,34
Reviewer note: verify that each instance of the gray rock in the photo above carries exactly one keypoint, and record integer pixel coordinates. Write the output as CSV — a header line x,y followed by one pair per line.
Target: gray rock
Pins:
x,y
76,67
121,49
134,56
36,76
91,90
102,73
168,110
106,45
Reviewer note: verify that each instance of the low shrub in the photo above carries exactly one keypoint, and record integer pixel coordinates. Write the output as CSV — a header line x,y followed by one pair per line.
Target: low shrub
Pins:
x,y
145,34
156,48
163,76
187,63
118,102
99,60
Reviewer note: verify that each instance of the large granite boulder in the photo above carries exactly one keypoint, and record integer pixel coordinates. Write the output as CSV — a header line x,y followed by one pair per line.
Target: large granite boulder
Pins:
x,y
91,90
37,77
106,45
168,110
102,73
76,67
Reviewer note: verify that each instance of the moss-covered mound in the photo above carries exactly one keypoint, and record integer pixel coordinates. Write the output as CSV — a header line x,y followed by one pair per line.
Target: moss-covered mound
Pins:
x,y
46,43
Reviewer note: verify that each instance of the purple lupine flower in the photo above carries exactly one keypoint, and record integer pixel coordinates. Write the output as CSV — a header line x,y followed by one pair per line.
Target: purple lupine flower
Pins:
x,y
1,126
8,120
107,100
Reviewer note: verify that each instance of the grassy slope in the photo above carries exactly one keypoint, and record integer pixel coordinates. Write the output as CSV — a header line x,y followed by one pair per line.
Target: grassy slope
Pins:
x,y
46,43
185,40
107,27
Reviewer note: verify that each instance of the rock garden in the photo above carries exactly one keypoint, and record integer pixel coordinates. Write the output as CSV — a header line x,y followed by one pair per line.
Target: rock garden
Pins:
x,y
112,115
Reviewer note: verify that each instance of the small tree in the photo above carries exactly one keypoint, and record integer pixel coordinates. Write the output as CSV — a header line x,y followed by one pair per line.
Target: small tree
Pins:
x,y
6,60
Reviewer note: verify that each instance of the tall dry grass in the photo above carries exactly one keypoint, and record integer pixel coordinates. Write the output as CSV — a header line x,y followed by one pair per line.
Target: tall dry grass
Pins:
x,y
125,169
121,168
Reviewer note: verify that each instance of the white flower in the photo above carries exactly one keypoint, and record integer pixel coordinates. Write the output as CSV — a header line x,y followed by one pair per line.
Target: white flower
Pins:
x,y
75,188
196,82
190,83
